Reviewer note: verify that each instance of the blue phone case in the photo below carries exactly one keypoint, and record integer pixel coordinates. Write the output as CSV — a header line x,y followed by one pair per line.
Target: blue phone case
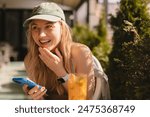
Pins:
x,y
22,81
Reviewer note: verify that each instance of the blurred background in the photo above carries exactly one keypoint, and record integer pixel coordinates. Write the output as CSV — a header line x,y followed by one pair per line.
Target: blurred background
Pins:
x,y
116,31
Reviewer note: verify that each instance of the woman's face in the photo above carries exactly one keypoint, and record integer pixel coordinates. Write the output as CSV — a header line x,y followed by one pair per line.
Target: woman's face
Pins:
x,y
46,34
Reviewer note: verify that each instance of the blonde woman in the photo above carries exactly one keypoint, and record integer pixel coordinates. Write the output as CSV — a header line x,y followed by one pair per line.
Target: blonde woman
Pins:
x,y
52,55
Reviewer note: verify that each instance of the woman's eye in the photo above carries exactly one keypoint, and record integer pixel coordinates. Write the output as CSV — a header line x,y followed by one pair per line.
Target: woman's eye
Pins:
x,y
49,26
34,28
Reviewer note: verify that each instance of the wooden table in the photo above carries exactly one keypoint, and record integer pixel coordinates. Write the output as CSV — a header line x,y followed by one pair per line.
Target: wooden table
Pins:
x,y
8,89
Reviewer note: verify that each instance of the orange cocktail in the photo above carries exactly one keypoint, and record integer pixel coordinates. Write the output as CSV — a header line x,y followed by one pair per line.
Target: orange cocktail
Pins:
x,y
77,87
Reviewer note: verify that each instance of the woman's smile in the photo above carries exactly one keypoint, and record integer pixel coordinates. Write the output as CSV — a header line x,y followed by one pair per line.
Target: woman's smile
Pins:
x,y
45,41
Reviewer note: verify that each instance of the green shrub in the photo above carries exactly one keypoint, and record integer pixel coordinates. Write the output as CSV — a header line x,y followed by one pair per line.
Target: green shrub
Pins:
x,y
129,61
101,52
82,34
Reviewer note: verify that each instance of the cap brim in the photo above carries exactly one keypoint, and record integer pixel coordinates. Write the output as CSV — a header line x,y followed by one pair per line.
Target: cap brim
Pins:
x,y
50,18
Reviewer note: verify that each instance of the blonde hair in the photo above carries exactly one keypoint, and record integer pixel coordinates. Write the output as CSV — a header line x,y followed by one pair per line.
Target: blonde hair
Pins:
x,y
38,71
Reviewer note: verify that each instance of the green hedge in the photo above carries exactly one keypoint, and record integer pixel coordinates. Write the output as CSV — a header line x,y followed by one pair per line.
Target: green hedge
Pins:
x,y
129,66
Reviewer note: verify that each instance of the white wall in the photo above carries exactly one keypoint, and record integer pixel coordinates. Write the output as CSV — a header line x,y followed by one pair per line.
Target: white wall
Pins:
x,y
82,14
94,14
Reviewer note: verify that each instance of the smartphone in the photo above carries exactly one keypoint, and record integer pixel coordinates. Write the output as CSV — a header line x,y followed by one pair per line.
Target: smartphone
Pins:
x,y
22,81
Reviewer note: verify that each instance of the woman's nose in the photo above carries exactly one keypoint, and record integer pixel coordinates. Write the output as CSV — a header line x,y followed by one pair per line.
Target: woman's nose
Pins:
x,y
42,34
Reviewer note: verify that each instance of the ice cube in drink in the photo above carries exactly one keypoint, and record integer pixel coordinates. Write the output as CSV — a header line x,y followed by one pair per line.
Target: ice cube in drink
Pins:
x,y
77,87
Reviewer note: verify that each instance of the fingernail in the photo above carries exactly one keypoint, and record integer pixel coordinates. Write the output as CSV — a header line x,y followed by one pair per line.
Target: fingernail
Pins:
x,y
43,88
35,91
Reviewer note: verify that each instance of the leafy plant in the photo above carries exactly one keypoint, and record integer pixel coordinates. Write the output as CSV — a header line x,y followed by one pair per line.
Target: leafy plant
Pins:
x,y
130,59
82,34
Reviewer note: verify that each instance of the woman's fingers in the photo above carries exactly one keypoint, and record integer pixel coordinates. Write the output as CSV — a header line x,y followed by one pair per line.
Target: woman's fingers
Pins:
x,y
46,53
48,57
33,90
52,61
25,88
37,93
58,53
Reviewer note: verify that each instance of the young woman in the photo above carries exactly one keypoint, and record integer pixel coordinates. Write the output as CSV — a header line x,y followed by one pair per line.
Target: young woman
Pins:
x,y
52,55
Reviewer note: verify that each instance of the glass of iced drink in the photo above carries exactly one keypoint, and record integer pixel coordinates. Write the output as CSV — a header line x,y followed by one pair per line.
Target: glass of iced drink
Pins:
x,y
77,87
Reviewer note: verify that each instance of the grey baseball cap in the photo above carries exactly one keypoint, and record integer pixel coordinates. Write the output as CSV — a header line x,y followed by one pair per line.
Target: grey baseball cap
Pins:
x,y
46,11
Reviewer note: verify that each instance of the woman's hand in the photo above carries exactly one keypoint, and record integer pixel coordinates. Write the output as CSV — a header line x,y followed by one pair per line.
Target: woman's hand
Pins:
x,y
53,62
35,93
